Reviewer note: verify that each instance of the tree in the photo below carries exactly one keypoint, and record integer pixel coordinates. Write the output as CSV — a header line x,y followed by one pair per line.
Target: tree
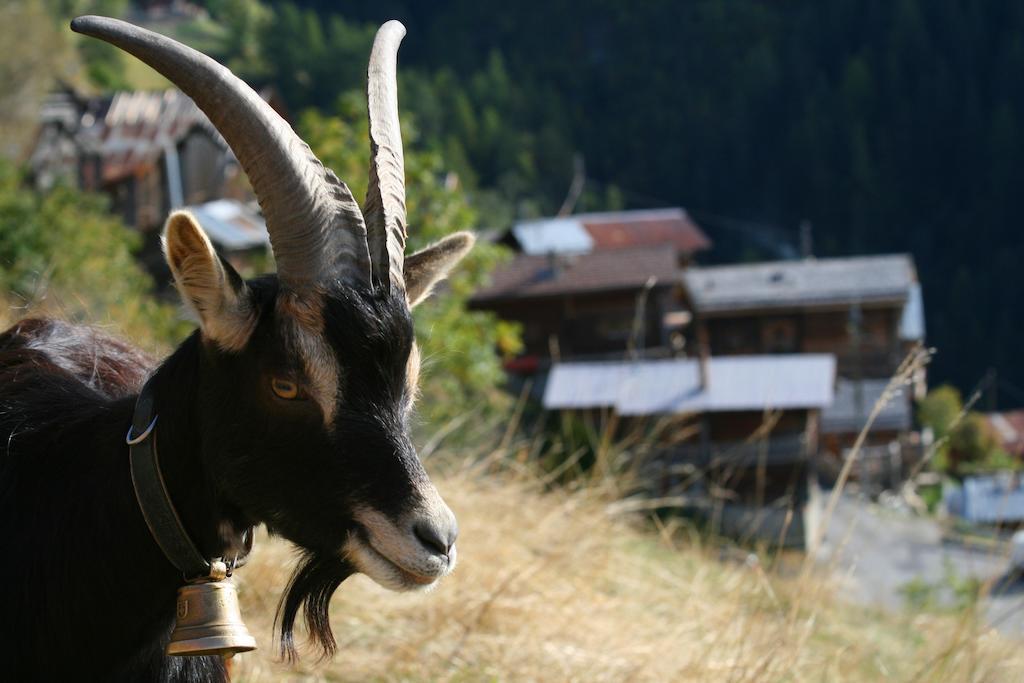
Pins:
x,y
940,409
965,440
34,55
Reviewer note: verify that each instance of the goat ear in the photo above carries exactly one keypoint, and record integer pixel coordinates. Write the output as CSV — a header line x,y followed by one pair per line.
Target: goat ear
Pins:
x,y
208,284
427,267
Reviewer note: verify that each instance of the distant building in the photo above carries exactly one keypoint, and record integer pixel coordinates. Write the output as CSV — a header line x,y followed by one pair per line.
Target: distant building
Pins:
x,y
585,232
151,152
751,422
770,370
1009,429
865,310
996,499
594,284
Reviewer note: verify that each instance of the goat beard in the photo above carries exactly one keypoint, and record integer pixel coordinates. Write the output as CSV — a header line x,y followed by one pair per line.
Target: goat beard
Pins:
x,y
315,579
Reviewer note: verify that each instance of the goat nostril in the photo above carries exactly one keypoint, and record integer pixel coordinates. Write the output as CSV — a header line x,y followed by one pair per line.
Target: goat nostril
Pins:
x,y
432,537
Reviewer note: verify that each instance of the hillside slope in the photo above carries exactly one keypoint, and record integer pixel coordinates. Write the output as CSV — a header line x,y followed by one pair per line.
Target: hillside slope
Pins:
x,y
550,588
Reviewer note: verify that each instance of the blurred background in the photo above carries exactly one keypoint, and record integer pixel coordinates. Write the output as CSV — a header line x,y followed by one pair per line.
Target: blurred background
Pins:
x,y
734,363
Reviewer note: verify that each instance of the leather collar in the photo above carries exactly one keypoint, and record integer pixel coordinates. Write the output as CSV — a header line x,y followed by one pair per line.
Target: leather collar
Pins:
x,y
155,502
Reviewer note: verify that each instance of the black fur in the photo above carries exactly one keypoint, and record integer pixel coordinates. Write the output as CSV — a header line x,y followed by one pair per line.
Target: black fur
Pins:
x,y
86,593
311,588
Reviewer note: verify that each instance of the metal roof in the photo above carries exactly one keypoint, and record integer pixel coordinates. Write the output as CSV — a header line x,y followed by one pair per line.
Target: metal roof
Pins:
x,y
844,416
585,232
810,282
912,320
139,125
553,235
231,224
988,499
735,383
1009,427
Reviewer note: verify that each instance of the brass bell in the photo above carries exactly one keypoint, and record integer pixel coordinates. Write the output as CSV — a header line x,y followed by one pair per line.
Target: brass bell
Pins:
x,y
209,621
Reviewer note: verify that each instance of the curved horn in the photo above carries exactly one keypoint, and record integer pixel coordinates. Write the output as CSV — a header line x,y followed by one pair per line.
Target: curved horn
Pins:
x,y
315,226
384,208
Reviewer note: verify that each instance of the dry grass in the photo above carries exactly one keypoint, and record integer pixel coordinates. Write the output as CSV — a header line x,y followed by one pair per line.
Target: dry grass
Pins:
x,y
551,588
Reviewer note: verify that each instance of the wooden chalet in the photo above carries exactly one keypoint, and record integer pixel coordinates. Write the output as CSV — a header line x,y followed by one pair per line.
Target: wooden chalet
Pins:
x,y
150,152
594,284
865,310
768,370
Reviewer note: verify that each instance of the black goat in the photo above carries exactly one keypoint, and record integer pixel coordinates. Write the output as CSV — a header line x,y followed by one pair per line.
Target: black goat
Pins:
x,y
288,407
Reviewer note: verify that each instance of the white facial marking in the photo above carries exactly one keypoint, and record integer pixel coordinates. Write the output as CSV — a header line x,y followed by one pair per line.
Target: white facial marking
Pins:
x,y
321,369
412,372
318,361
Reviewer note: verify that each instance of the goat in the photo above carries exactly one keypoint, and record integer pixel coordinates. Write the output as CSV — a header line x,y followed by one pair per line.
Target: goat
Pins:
x,y
288,407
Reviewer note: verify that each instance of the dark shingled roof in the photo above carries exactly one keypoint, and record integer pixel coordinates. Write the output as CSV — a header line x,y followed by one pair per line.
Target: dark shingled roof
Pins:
x,y
542,275
799,284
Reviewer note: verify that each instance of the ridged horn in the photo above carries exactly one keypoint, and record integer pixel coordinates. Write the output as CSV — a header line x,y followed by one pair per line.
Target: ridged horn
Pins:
x,y
384,208
315,225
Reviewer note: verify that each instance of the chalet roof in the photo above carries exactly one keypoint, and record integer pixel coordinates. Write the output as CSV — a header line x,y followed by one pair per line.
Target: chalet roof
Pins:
x,y
611,230
528,276
845,416
988,499
138,125
735,383
553,236
1009,427
806,283
129,129
231,224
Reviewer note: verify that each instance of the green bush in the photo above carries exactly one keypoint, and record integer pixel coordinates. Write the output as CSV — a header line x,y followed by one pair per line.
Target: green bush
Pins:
x,y
965,441
62,253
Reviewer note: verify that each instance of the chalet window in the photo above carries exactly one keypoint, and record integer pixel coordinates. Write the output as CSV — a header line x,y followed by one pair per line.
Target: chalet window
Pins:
x,y
779,336
734,336
614,328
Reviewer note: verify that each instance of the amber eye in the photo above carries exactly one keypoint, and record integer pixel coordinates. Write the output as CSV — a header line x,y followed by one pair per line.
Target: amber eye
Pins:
x,y
284,388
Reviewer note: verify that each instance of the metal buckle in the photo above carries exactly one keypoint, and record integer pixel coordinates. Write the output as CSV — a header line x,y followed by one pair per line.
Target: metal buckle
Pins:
x,y
131,441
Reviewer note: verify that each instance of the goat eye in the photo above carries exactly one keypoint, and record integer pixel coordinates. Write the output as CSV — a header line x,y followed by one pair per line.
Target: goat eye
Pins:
x,y
284,388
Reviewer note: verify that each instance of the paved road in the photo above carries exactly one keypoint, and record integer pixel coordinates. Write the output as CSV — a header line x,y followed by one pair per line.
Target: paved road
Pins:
x,y
877,551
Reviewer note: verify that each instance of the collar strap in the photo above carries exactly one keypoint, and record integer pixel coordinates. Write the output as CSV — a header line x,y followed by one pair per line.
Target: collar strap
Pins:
x,y
154,500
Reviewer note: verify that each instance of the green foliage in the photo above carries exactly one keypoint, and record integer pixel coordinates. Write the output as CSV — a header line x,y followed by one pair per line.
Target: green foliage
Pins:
x,y
458,347
953,593
310,58
973,439
966,441
487,126
940,409
62,253
104,65
919,595
35,54
242,24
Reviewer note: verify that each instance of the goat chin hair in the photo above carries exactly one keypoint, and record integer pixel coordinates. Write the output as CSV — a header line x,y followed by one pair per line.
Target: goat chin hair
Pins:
x,y
315,579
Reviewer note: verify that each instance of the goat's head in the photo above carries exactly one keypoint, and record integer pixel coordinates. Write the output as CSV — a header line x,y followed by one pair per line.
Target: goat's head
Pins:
x,y
307,378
